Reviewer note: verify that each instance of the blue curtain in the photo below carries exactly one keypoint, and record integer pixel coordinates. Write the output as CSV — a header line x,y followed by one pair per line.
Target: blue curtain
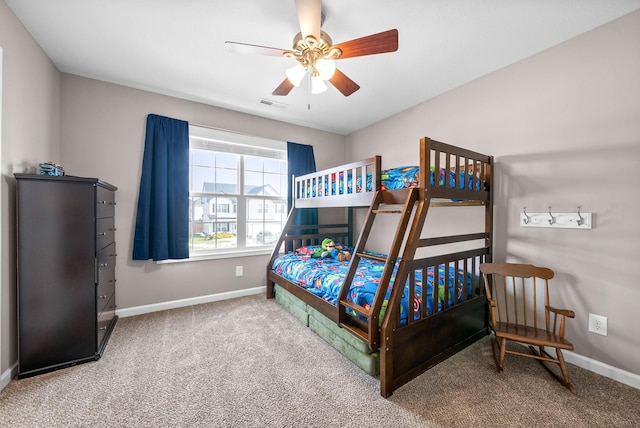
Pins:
x,y
300,161
162,221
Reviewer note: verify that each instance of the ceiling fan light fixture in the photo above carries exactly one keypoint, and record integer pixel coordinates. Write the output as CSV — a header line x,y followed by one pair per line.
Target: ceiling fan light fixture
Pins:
x,y
326,68
317,85
295,74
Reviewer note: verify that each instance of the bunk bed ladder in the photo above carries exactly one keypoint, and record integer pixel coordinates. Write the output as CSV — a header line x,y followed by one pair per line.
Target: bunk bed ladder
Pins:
x,y
369,332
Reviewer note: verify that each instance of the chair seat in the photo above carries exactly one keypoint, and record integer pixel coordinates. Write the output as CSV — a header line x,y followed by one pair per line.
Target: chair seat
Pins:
x,y
531,336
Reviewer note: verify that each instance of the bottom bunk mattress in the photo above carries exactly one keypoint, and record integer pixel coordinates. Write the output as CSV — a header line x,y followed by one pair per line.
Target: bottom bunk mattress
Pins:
x,y
324,277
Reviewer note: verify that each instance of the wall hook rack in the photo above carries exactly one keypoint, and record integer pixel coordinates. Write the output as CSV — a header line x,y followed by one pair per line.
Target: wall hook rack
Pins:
x,y
573,220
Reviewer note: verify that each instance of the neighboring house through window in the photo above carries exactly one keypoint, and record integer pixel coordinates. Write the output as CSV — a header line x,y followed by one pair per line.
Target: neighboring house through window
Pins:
x,y
238,191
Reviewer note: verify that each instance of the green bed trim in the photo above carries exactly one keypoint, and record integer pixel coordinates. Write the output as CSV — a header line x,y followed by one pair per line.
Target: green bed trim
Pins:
x,y
347,344
291,303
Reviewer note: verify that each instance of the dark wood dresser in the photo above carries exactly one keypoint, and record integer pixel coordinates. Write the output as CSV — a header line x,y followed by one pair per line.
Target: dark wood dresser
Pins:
x,y
66,270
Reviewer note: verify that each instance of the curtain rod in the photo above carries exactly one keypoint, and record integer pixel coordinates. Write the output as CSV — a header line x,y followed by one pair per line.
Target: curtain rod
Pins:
x,y
232,132
218,129
266,140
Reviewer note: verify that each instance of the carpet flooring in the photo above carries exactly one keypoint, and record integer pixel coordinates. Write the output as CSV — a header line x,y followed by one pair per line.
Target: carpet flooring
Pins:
x,y
247,362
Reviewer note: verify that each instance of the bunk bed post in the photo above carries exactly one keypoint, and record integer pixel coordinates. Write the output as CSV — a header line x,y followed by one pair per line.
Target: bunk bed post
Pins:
x,y
391,319
276,250
281,241
489,208
350,226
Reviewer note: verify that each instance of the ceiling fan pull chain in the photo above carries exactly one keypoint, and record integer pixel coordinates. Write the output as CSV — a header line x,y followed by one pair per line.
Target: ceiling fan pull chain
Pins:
x,y
309,93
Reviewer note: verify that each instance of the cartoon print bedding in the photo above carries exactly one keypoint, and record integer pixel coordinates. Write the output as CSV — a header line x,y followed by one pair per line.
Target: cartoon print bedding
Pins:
x,y
394,178
323,277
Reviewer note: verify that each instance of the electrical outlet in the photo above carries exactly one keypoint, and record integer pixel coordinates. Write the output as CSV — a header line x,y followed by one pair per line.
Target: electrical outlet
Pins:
x,y
238,270
598,324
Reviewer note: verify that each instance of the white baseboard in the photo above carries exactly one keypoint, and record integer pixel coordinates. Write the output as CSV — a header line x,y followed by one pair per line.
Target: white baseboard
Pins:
x,y
8,374
145,309
603,369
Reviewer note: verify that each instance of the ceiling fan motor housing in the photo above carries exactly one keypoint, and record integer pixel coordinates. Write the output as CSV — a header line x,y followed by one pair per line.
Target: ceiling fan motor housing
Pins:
x,y
308,50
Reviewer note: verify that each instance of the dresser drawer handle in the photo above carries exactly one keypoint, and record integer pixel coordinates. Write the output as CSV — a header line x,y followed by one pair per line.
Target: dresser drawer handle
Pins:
x,y
104,264
103,328
104,296
102,233
112,280
112,229
102,202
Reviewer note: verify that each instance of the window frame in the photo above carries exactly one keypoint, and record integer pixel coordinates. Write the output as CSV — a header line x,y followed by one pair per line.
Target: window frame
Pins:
x,y
241,145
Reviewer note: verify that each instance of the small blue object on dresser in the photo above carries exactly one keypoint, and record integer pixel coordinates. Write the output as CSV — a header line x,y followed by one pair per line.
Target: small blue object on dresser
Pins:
x,y
50,168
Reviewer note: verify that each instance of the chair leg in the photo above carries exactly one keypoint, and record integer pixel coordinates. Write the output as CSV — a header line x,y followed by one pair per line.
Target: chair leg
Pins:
x,y
495,345
565,372
564,380
503,348
494,349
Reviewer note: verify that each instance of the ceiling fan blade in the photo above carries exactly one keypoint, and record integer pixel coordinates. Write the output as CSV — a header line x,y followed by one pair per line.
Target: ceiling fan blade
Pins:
x,y
309,17
284,88
245,48
387,41
343,83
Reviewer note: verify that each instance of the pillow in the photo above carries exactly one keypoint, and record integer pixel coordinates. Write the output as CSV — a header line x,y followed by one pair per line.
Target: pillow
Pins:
x,y
309,250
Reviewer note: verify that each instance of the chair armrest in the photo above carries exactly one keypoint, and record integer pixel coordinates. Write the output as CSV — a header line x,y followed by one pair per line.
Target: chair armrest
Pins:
x,y
492,312
564,312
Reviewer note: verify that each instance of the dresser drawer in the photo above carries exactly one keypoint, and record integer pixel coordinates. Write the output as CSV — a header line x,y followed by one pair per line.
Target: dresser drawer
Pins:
x,y
105,318
105,232
105,202
102,301
106,272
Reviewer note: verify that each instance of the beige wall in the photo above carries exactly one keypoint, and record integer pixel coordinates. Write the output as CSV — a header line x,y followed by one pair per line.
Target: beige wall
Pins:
x,y
564,127
30,134
103,136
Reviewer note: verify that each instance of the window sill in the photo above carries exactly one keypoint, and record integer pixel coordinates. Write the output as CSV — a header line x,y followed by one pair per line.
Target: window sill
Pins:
x,y
216,256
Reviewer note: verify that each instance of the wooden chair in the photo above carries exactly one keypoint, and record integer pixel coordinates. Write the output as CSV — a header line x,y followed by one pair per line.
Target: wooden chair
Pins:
x,y
519,311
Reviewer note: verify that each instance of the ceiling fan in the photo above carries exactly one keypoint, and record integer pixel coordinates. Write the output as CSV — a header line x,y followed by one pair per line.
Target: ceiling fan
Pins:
x,y
315,52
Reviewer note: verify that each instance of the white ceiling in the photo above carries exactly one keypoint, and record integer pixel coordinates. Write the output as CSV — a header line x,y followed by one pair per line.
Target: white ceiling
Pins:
x,y
176,47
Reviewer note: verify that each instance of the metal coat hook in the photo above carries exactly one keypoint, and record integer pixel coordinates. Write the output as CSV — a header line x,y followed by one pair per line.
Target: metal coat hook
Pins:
x,y
580,219
551,218
526,218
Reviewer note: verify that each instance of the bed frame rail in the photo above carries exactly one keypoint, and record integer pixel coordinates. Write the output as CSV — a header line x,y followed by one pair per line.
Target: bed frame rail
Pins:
x,y
428,338
471,173
465,263
343,186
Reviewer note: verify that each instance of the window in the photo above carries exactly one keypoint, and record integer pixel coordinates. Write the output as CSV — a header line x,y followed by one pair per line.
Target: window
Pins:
x,y
238,191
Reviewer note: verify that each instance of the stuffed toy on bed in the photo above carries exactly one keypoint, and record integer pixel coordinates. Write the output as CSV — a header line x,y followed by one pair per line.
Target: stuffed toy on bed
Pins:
x,y
335,251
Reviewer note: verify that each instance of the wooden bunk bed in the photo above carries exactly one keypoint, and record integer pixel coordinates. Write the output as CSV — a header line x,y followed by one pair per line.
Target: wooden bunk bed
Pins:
x,y
400,342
